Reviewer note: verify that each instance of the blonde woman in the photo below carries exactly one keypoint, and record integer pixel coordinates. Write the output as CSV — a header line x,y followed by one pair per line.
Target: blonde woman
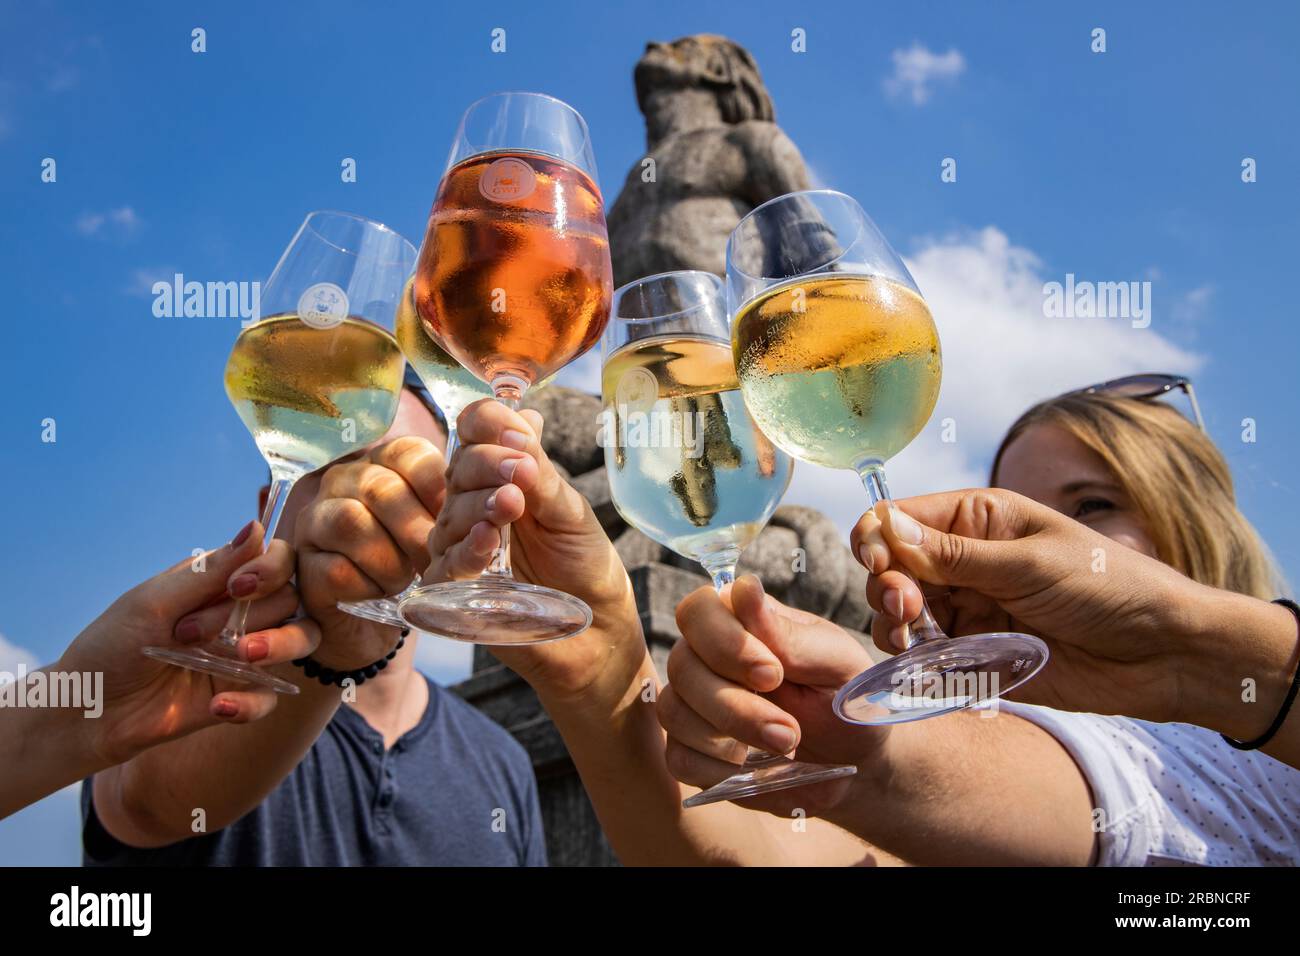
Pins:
x,y
1150,600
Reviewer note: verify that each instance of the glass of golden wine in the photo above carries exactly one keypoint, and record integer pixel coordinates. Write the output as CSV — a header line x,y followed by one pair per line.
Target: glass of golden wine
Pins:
x,y
514,282
687,466
314,379
838,359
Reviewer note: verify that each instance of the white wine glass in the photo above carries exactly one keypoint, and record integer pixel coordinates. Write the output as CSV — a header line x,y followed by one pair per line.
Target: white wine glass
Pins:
x,y
316,379
686,464
838,359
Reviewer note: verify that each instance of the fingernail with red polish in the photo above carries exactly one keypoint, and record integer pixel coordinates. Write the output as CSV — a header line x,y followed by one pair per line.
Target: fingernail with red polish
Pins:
x,y
242,585
244,532
187,631
256,648
225,708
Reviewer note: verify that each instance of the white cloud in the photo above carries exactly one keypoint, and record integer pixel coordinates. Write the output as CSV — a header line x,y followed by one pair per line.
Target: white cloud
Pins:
x,y
1000,355
12,656
123,221
917,68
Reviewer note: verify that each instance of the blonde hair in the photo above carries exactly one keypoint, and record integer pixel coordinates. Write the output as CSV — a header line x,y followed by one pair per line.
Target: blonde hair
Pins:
x,y
1176,479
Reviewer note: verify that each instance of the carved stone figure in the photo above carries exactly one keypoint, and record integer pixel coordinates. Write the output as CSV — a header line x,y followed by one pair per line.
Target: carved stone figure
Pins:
x,y
716,153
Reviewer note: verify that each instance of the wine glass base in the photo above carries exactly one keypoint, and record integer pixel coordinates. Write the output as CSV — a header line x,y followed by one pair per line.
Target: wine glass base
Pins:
x,y
197,659
779,774
380,610
495,610
940,676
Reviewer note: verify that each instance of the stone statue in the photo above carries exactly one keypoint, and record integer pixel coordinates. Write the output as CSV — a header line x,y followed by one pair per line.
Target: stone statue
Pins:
x,y
716,153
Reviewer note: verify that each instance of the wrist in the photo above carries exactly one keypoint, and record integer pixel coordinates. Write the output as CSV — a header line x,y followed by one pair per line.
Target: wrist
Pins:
x,y
363,644
1238,660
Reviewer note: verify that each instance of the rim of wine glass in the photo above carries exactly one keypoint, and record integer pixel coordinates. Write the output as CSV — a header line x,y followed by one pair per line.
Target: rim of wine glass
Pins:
x,y
719,285
830,262
355,217
582,123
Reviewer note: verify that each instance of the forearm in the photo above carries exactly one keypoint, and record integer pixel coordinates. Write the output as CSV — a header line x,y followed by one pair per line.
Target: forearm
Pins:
x,y
966,790
613,734
225,770
43,749
1241,656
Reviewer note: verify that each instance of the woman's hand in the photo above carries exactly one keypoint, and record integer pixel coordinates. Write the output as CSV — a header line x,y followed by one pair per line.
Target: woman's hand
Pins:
x,y
147,702
1127,634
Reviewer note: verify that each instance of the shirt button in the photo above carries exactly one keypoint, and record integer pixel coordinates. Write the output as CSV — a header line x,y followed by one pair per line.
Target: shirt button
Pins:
x,y
377,747
386,798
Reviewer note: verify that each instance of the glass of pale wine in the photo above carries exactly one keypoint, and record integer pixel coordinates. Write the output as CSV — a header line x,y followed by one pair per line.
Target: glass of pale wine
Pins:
x,y
687,466
317,378
514,282
838,359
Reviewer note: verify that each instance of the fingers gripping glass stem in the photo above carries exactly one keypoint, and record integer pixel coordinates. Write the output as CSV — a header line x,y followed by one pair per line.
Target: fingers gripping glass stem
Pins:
x,y
925,627
236,627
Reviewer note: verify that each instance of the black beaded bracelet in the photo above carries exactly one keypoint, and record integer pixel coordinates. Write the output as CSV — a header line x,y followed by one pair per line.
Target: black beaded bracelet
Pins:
x,y
327,675
1273,728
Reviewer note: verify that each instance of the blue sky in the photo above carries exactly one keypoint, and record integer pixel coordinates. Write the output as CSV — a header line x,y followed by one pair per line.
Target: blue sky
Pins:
x,y
1115,167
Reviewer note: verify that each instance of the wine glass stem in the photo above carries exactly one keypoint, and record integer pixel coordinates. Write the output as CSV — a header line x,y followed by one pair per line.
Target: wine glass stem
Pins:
x,y
721,566
925,627
509,391
275,501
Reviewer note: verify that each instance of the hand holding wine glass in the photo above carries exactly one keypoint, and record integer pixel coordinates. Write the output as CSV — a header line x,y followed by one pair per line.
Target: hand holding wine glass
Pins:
x,y
316,379
514,282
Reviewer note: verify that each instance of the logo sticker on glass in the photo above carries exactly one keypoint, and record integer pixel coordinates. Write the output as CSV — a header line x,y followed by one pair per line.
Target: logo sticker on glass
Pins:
x,y
637,391
507,180
323,306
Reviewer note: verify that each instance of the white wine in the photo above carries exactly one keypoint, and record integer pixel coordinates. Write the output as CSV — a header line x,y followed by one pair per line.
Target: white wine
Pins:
x,y
311,395
452,385
686,464
838,369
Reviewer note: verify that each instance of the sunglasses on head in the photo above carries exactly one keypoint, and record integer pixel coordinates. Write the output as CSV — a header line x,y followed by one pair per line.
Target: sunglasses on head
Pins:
x,y
1145,386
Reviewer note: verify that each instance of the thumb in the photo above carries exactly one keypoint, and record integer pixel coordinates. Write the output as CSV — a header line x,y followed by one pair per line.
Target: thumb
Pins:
x,y
812,650
198,581
940,557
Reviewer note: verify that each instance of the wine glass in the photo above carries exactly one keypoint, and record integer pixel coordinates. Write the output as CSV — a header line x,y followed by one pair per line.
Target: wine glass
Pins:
x,y
514,282
316,379
838,359
452,387
687,466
